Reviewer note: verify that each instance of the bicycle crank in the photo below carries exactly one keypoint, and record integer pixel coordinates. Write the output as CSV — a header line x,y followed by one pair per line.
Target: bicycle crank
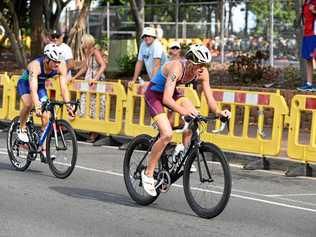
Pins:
x,y
163,181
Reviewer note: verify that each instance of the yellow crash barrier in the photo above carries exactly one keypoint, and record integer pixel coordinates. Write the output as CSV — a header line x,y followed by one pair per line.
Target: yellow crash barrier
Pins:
x,y
138,120
302,105
101,108
15,104
250,131
4,90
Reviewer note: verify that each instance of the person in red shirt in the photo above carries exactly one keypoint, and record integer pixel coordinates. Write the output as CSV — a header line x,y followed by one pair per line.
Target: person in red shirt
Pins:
x,y
309,42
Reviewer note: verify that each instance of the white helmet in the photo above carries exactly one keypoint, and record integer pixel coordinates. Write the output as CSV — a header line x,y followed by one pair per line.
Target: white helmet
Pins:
x,y
53,52
198,54
149,31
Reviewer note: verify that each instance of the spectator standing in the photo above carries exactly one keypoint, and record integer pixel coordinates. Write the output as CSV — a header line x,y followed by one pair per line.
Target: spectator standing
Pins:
x,y
94,66
151,53
159,32
57,37
174,52
309,42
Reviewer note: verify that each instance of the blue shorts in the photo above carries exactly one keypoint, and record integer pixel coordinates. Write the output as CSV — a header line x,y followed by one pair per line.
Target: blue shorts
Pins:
x,y
308,47
24,88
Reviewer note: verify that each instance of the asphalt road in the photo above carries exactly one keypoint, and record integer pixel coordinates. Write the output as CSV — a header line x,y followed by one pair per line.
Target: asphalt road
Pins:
x,y
93,201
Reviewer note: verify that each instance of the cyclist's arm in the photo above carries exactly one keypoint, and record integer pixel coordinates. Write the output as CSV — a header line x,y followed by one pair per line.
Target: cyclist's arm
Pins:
x,y
62,69
170,86
205,78
34,71
157,63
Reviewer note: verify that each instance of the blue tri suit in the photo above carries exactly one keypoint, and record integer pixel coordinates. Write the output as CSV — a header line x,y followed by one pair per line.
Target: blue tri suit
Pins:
x,y
23,86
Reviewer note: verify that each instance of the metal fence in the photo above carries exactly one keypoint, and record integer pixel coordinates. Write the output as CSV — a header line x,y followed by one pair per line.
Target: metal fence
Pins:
x,y
245,28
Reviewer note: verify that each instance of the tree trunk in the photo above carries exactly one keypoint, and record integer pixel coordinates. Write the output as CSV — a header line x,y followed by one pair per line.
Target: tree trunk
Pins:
x,y
246,20
230,19
36,27
137,7
14,35
52,18
218,16
78,30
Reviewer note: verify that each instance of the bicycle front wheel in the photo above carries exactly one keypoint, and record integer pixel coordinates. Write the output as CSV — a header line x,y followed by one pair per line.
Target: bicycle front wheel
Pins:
x,y
17,151
135,160
62,149
208,189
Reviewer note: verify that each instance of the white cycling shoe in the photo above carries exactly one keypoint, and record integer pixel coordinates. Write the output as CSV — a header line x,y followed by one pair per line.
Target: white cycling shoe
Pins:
x,y
22,135
193,169
148,184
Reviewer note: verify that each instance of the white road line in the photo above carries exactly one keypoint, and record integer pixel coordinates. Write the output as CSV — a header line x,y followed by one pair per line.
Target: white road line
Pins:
x,y
99,171
291,195
233,195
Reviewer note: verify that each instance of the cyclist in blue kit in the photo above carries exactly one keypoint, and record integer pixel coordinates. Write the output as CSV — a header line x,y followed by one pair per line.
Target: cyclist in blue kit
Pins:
x,y
31,88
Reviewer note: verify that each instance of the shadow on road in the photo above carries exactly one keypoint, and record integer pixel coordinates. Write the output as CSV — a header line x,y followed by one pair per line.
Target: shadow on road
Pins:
x,y
110,197
8,166
95,195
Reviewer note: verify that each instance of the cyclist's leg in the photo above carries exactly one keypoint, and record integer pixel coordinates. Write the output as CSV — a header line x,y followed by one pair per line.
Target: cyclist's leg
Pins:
x,y
42,94
156,110
159,146
25,93
186,103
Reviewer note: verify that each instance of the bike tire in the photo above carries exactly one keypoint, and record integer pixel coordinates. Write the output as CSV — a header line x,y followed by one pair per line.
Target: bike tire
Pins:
x,y
140,196
54,163
10,140
220,164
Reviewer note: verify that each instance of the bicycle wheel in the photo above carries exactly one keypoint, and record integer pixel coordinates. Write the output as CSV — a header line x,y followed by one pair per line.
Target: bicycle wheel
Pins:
x,y
17,151
208,190
136,151
62,149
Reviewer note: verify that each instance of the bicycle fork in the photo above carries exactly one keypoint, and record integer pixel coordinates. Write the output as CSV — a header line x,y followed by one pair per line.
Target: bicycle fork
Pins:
x,y
202,180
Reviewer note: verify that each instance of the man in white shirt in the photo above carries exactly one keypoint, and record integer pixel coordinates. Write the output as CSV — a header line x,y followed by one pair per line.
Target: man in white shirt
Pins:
x,y
151,53
57,37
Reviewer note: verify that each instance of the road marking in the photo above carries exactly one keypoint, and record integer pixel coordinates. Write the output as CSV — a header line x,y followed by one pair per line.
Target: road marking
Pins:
x,y
291,195
109,172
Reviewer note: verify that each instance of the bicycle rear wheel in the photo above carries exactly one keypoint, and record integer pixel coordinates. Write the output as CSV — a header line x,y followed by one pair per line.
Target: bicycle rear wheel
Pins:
x,y
136,151
62,150
208,190
17,151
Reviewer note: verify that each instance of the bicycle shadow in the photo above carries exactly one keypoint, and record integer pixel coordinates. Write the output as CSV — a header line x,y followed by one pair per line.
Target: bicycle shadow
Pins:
x,y
110,197
8,166
90,194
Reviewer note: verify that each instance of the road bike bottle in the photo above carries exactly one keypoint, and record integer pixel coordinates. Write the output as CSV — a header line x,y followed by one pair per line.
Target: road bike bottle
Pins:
x,y
178,152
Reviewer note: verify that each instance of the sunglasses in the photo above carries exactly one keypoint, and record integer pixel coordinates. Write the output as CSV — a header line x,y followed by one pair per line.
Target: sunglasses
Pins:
x,y
145,36
174,48
55,36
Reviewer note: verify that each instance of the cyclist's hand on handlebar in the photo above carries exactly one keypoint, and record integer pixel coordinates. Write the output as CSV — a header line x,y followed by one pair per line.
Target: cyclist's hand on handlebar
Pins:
x,y
70,111
193,112
38,111
225,113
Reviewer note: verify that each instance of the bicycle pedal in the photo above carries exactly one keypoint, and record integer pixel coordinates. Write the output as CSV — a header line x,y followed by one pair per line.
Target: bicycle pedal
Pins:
x,y
31,157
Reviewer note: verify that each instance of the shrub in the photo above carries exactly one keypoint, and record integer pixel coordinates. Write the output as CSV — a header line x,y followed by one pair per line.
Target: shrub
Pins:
x,y
127,64
249,68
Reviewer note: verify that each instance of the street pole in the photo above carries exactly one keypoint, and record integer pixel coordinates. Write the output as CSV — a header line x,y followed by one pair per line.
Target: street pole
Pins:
x,y
108,22
177,19
222,31
271,32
